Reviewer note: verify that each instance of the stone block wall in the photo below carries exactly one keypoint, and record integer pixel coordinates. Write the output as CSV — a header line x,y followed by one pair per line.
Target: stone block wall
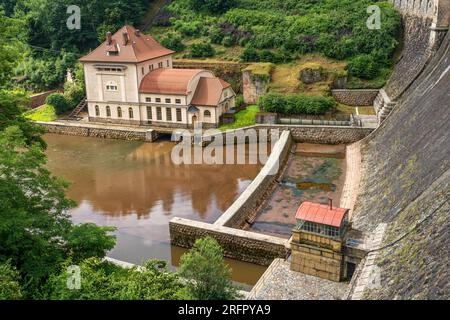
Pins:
x,y
38,100
228,71
355,97
89,130
237,244
318,262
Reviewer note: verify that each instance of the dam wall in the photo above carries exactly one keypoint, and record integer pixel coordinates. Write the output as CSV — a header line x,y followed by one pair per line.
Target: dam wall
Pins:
x,y
425,23
405,184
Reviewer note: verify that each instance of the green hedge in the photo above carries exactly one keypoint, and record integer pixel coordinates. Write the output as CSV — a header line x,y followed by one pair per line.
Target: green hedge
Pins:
x,y
295,104
58,101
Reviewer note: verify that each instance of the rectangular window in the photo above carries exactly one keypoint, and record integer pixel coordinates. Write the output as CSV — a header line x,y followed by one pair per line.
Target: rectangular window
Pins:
x,y
148,99
169,114
160,64
142,69
158,113
168,64
168,100
158,99
178,115
149,113
178,101
150,67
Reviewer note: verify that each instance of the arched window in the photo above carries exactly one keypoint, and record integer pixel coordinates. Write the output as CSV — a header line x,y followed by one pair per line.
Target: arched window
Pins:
x,y
130,113
108,111
119,112
111,86
97,111
207,114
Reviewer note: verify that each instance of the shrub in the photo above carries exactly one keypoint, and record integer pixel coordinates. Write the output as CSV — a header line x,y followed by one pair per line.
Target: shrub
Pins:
x,y
212,6
9,282
205,267
173,42
363,66
202,50
73,93
190,29
296,104
250,55
228,41
239,101
58,101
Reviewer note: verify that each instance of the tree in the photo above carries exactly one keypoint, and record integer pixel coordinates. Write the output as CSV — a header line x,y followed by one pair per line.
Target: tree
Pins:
x,y
36,233
208,275
8,47
12,106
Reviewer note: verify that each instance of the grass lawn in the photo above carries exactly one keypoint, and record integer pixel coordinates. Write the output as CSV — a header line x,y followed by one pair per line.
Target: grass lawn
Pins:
x,y
243,118
44,113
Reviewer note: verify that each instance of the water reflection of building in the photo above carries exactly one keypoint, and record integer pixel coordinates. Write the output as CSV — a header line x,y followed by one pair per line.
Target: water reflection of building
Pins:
x,y
120,178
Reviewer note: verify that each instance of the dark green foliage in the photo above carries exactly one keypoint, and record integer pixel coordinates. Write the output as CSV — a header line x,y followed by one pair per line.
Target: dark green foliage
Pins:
x,y
202,50
296,104
12,106
363,66
174,42
58,101
9,282
285,29
190,29
252,55
208,275
239,101
36,233
106,281
212,6
73,93
9,49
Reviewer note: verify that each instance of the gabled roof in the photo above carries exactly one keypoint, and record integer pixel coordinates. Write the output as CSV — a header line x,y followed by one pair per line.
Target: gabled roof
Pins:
x,y
209,91
321,213
139,47
168,81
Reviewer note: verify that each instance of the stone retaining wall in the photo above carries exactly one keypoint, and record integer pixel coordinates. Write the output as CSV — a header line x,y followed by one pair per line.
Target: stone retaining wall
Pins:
x,y
305,133
237,244
98,131
38,100
256,192
355,97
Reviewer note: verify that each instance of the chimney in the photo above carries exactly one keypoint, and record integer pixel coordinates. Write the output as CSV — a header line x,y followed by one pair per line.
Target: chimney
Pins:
x,y
330,201
137,33
108,38
125,38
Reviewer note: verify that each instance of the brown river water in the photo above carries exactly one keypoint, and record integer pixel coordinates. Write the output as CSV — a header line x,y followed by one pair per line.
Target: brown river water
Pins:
x,y
135,187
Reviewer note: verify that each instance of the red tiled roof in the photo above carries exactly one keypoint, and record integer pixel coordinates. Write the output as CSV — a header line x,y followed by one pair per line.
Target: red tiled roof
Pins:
x,y
321,213
168,81
139,47
209,91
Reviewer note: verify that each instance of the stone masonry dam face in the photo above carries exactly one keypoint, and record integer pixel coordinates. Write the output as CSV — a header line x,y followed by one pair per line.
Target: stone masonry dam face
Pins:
x,y
405,184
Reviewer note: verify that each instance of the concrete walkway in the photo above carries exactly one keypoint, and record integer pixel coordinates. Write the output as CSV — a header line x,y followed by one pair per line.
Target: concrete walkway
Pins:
x,y
280,283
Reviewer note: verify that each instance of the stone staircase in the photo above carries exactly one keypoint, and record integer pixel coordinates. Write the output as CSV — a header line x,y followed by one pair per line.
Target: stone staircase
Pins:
x,y
78,109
